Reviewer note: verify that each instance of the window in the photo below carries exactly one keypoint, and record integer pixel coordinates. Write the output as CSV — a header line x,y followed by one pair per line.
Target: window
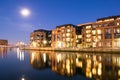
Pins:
x,y
104,24
67,39
99,37
108,36
88,31
67,34
118,24
79,36
88,27
94,32
99,31
88,40
116,35
68,30
108,31
118,18
116,30
108,44
88,35
94,26
63,35
111,24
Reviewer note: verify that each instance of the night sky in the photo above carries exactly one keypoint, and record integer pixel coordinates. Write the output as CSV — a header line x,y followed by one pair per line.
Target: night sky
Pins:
x,y
47,14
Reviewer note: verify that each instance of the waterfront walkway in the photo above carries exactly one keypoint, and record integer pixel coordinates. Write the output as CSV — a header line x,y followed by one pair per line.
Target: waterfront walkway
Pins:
x,y
97,50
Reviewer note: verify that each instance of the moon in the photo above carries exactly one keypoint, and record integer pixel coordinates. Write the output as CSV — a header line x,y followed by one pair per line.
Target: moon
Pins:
x,y
25,12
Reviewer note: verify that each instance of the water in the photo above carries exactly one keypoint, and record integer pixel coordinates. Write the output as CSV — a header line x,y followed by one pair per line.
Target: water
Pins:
x,y
16,64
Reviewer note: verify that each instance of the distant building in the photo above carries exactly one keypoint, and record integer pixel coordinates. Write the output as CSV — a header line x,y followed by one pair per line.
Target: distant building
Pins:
x,y
3,42
40,38
64,36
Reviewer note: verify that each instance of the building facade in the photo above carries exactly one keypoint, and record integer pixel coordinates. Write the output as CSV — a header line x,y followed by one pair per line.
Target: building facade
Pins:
x,y
104,33
3,42
40,38
64,36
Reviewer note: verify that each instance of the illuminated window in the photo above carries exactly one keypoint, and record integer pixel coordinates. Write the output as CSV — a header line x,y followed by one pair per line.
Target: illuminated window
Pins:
x,y
109,19
99,44
71,39
118,24
67,39
62,30
94,32
94,44
88,31
63,35
88,40
88,27
77,41
99,31
88,35
76,36
68,30
118,18
67,34
99,21
99,37
79,36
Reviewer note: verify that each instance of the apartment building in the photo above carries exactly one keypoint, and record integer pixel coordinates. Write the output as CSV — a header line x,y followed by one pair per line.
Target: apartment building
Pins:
x,y
64,36
40,38
104,33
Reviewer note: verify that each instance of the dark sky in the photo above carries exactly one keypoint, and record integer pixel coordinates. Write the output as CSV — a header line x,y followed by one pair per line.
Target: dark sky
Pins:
x,y
47,14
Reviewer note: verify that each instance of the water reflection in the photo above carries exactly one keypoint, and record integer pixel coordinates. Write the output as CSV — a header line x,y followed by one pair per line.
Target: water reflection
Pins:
x,y
20,54
39,60
95,66
3,52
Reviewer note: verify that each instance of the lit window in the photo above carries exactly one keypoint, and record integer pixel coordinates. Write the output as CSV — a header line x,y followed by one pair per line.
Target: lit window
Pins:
x,y
118,18
88,35
118,24
62,30
67,39
99,31
106,20
94,32
99,21
63,35
99,37
88,31
77,41
67,34
76,36
68,30
88,27
109,19
88,40
79,36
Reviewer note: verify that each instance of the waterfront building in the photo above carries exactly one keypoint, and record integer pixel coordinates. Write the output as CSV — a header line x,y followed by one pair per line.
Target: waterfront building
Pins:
x,y
104,33
64,36
40,38
3,42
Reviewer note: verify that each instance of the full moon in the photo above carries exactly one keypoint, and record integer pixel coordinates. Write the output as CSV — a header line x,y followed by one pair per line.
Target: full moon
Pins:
x,y
25,12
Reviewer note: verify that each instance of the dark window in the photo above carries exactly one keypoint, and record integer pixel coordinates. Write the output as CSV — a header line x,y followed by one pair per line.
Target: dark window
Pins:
x,y
108,36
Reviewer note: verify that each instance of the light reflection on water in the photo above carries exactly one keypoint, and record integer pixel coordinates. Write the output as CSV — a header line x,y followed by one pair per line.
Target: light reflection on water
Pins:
x,y
94,66
37,63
